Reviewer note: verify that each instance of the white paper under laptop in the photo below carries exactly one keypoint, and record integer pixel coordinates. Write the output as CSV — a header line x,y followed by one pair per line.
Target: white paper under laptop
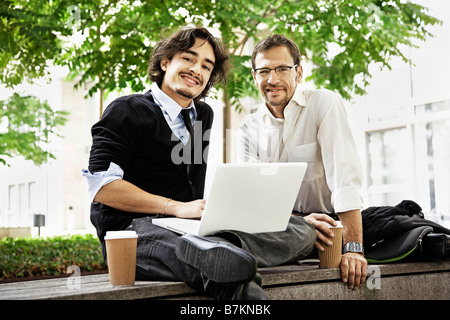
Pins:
x,y
250,197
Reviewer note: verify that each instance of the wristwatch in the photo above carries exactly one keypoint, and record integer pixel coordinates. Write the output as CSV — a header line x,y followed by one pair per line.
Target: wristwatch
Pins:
x,y
353,246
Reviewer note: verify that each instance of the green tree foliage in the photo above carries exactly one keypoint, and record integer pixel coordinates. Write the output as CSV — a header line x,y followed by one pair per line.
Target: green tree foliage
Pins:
x,y
26,125
117,36
29,38
107,43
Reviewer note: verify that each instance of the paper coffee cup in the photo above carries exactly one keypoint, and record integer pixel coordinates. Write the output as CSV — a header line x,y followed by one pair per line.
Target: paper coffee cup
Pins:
x,y
121,255
331,257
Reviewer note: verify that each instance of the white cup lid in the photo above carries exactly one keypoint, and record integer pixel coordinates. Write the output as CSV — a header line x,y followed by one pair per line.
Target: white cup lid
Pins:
x,y
122,234
338,225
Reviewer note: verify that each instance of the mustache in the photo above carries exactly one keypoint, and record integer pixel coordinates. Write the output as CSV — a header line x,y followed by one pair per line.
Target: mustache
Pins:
x,y
191,74
271,86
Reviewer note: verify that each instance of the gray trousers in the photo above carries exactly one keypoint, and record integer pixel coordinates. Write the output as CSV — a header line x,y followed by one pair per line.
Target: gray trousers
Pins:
x,y
276,248
156,258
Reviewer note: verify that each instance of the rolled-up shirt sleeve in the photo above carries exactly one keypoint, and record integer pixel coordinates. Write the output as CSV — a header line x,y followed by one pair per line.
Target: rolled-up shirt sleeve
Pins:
x,y
95,181
340,159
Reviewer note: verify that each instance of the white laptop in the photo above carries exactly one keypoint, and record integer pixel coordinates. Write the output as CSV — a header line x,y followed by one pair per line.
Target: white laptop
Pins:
x,y
250,197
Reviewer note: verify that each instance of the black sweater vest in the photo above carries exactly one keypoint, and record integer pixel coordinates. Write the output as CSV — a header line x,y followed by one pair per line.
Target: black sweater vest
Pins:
x,y
133,134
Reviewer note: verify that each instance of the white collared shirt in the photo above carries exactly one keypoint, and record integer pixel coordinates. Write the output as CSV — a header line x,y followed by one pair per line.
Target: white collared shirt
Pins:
x,y
314,130
171,111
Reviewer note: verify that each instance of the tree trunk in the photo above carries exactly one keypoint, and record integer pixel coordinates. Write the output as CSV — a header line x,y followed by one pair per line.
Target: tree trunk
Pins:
x,y
102,92
226,124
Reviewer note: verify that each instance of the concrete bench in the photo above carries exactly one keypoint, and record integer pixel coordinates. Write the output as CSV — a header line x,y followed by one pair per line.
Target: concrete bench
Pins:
x,y
424,281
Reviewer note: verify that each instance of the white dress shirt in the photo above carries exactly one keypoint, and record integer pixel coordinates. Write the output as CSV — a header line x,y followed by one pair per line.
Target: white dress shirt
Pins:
x,y
314,130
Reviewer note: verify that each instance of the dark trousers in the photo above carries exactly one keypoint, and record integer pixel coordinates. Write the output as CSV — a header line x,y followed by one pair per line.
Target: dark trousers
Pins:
x,y
156,258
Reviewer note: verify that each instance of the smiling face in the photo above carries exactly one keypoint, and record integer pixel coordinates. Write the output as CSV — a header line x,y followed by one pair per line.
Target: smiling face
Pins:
x,y
188,72
277,90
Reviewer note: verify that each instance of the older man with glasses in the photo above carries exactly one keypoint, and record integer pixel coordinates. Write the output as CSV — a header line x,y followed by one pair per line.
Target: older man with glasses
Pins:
x,y
299,125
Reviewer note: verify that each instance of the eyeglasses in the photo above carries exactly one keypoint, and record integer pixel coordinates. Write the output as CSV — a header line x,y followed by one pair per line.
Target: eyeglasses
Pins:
x,y
281,71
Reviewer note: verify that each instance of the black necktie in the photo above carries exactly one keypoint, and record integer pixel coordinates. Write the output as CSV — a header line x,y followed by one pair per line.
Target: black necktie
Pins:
x,y
187,122
190,171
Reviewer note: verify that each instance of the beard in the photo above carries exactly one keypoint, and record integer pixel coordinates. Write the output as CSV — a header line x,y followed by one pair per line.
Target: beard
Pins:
x,y
276,102
185,93
280,103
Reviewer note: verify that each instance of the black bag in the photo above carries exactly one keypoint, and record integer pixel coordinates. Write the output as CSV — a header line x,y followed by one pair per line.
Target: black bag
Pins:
x,y
437,245
404,246
401,233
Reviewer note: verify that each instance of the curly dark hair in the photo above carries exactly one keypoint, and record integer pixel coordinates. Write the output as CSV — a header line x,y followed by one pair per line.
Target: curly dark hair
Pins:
x,y
274,41
183,40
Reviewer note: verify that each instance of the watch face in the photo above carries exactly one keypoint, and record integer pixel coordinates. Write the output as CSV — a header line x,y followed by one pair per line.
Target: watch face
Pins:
x,y
354,247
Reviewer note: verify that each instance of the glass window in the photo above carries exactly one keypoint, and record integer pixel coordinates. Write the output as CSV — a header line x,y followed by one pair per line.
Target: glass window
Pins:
x,y
387,167
12,217
432,107
432,156
412,162
32,196
11,197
